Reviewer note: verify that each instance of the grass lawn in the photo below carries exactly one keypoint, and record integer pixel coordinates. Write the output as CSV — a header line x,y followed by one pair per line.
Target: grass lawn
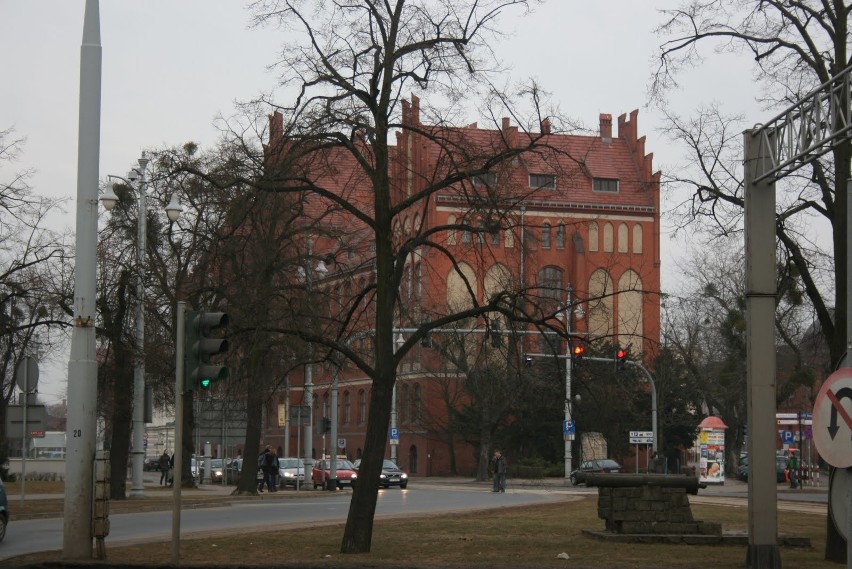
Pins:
x,y
522,537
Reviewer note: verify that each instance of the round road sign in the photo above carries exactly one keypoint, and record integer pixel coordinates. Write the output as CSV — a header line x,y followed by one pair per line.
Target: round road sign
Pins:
x,y
832,421
840,486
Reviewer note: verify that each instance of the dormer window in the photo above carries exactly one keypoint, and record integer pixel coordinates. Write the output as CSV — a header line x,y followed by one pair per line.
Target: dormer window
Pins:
x,y
543,181
606,185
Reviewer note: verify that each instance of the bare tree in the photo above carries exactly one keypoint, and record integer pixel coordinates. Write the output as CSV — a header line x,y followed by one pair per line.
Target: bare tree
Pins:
x,y
354,65
796,46
35,290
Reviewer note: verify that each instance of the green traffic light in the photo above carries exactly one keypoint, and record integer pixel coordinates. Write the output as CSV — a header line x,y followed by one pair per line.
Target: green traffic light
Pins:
x,y
205,382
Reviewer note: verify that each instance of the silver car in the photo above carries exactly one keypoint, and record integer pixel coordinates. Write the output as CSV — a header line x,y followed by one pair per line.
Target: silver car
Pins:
x,y
291,471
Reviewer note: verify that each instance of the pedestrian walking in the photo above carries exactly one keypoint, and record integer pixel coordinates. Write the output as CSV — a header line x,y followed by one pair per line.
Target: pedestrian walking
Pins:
x,y
164,467
793,469
498,472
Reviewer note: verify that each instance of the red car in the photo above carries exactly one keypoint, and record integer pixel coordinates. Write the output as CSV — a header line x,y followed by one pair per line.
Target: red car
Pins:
x,y
344,472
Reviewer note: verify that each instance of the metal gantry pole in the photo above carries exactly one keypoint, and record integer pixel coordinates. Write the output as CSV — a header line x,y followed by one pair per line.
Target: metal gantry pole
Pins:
x,y
82,365
761,292
568,409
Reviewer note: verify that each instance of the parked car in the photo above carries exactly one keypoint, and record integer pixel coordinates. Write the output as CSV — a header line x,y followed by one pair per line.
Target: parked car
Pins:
x,y
391,475
4,511
291,471
589,466
780,467
344,470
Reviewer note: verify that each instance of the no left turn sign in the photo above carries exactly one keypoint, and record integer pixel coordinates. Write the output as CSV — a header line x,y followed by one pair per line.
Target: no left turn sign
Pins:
x,y
832,422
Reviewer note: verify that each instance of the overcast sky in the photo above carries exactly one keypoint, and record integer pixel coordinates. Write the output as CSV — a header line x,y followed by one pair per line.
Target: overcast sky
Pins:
x,y
171,66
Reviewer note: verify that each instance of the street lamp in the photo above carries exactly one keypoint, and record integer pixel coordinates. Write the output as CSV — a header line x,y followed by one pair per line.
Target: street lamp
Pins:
x,y
173,210
569,314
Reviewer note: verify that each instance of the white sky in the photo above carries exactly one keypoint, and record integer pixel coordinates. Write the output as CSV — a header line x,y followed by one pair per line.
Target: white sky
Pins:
x,y
170,67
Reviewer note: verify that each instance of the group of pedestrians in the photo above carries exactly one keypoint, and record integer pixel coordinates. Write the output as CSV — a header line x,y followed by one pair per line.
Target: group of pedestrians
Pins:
x,y
267,466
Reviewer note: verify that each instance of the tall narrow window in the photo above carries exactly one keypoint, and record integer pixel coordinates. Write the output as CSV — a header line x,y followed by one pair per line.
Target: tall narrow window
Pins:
x,y
418,404
362,407
637,239
545,236
622,238
593,237
560,236
607,238
418,281
451,232
347,407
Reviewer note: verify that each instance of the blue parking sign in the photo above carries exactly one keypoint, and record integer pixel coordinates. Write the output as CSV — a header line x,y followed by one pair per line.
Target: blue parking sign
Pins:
x,y
787,437
394,434
568,427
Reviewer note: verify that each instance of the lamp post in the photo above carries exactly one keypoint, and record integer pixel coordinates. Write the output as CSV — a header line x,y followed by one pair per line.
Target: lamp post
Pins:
x,y
569,313
173,210
394,443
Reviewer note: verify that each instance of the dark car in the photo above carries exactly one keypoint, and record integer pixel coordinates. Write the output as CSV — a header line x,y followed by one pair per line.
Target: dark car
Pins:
x,y
151,463
391,475
589,466
4,511
343,470
780,467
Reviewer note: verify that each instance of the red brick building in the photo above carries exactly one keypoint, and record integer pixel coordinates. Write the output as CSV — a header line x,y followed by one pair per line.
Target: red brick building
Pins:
x,y
584,215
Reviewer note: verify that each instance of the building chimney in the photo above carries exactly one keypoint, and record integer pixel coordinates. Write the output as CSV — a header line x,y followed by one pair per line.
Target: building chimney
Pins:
x,y
606,128
545,126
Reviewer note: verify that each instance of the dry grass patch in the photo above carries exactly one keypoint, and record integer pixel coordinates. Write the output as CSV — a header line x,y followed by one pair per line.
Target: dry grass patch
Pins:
x,y
523,537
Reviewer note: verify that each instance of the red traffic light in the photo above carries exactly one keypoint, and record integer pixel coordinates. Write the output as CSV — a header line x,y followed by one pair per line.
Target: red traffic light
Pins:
x,y
620,353
578,350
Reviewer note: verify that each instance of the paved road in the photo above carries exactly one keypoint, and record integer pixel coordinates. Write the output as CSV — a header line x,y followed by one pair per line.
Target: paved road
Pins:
x,y
309,507
27,536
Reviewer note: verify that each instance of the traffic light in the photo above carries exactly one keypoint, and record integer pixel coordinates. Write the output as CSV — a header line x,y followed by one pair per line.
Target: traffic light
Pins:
x,y
426,340
202,341
577,353
325,426
494,333
528,361
620,358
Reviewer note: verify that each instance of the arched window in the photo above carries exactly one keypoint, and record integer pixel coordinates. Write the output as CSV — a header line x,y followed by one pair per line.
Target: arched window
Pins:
x,y
550,283
326,405
451,233
593,237
362,407
418,281
545,236
630,330
347,407
637,239
607,238
600,315
622,238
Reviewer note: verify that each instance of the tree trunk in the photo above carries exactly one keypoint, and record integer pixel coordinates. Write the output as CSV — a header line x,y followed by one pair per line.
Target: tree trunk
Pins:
x,y
254,419
122,415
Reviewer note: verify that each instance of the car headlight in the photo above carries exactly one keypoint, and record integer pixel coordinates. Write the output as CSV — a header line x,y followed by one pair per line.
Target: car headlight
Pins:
x,y
383,475
354,475
289,475
403,475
